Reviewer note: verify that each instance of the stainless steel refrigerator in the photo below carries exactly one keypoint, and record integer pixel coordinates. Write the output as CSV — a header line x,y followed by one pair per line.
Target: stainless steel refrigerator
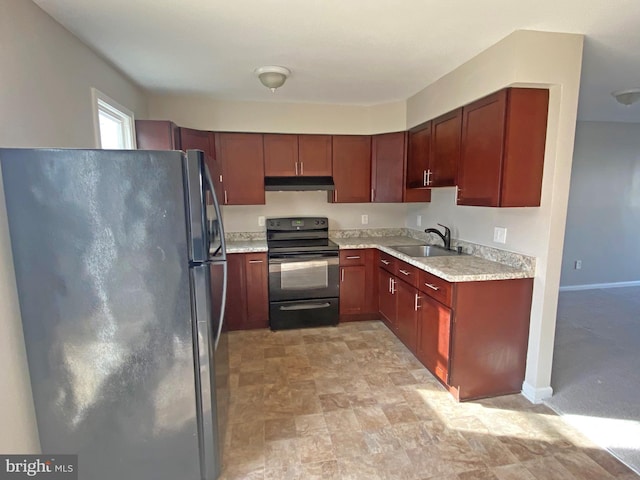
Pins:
x,y
121,273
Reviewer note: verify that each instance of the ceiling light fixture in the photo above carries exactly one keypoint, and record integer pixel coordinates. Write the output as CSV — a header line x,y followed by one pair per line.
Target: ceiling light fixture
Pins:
x,y
272,76
628,96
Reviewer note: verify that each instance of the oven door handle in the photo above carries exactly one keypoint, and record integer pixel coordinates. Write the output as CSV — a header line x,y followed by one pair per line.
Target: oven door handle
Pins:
x,y
298,257
304,306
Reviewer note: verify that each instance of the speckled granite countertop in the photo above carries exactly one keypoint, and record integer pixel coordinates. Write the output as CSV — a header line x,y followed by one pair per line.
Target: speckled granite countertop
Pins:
x,y
246,246
458,268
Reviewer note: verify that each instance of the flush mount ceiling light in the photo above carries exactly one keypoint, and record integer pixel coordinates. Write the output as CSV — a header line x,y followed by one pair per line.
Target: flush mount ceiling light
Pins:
x,y
628,96
272,76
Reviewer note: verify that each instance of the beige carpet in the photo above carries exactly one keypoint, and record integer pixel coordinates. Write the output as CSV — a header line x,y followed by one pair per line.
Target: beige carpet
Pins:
x,y
596,368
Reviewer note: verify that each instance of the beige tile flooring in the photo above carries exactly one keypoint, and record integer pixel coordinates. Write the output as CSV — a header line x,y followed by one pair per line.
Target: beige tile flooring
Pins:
x,y
351,402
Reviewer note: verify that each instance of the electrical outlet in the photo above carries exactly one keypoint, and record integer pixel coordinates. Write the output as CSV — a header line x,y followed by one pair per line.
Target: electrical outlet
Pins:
x,y
419,220
578,265
364,219
500,235
261,221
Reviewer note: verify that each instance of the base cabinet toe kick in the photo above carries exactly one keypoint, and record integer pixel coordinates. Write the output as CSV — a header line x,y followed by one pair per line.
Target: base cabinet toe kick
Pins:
x,y
472,336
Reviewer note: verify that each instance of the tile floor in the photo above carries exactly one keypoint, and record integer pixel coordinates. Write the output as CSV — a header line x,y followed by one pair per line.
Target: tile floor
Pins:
x,y
351,402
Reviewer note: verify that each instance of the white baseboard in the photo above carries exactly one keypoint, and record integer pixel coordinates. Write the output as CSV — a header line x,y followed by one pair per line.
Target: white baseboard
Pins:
x,y
536,395
592,286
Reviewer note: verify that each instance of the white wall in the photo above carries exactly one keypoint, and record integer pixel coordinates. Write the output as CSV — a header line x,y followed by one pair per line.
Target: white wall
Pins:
x,y
45,101
603,220
208,114
524,58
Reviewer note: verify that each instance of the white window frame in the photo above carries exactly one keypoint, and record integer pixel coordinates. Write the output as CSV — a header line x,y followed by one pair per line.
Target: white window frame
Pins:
x,y
105,104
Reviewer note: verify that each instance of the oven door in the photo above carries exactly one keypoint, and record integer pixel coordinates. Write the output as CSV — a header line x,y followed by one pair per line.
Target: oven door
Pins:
x,y
301,276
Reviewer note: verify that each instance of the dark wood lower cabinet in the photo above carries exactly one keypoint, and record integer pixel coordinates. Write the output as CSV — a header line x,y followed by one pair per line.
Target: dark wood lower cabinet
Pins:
x,y
247,292
358,288
407,314
387,298
434,330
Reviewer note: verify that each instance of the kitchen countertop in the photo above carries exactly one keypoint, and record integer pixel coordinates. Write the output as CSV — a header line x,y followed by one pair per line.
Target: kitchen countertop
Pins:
x,y
455,268
246,246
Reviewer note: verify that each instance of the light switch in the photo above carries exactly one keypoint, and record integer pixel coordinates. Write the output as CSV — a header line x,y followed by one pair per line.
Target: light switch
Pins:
x,y
365,219
419,220
261,221
500,235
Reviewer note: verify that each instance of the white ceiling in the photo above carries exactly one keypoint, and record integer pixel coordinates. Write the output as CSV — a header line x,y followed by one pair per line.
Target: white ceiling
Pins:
x,y
360,52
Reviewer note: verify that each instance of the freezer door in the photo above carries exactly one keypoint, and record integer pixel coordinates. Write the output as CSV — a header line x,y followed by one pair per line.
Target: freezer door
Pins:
x,y
206,330
204,216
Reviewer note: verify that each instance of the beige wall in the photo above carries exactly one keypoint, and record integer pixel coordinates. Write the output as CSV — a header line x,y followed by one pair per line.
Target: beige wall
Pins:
x,y
524,58
45,101
205,113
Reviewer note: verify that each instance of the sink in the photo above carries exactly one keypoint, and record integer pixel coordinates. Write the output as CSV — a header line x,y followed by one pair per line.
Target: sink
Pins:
x,y
424,251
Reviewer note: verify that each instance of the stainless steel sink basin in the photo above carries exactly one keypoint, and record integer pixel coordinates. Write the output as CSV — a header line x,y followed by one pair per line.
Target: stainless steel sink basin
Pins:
x,y
424,251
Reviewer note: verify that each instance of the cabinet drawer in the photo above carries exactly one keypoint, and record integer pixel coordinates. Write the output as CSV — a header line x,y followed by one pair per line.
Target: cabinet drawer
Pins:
x,y
387,262
352,257
408,273
436,287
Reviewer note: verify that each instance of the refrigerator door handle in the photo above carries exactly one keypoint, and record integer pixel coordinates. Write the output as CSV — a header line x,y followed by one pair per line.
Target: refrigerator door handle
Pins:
x,y
204,371
216,206
223,304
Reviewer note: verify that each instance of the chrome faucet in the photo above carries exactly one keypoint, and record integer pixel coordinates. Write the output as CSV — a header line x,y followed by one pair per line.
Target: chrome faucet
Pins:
x,y
446,238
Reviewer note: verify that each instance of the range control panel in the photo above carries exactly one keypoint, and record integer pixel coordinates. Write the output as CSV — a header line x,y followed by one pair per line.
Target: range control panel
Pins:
x,y
297,223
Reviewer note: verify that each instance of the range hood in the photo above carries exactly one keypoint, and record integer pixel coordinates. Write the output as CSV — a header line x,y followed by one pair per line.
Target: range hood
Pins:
x,y
283,184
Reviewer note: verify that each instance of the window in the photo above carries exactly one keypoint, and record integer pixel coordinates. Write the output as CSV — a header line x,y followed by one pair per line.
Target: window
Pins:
x,y
113,123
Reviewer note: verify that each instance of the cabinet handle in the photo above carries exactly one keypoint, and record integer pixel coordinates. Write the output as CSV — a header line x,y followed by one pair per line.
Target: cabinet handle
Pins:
x,y
335,194
342,276
220,178
384,261
301,168
354,257
226,200
296,169
255,261
393,286
372,195
404,272
424,178
432,287
428,177
416,306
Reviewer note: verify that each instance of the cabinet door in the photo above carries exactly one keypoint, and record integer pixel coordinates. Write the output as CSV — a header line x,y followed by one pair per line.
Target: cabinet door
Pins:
x,y
387,298
352,289
314,155
157,135
201,140
445,149
242,158
280,155
407,314
387,167
235,312
257,296
417,169
351,168
434,335
480,169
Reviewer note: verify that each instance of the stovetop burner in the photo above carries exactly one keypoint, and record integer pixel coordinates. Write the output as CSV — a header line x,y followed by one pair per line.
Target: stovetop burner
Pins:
x,y
299,234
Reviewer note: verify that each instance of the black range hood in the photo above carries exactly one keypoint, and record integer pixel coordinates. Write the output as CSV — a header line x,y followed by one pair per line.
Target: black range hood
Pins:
x,y
284,184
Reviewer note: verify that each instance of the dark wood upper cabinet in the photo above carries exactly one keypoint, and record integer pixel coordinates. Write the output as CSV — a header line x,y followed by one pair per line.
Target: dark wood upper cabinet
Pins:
x,y
387,167
503,142
445,149
417,169
202,140
280,155
242,159
314,155
351,169
157,135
